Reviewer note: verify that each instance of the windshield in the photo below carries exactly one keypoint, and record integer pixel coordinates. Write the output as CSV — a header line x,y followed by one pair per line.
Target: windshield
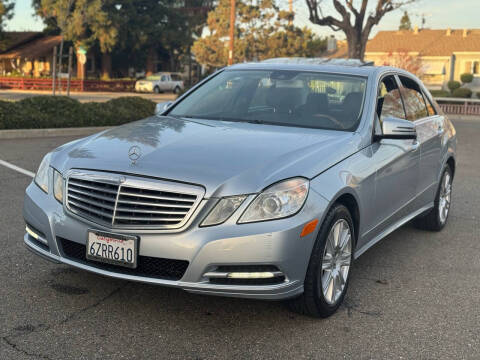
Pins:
x,y
292,98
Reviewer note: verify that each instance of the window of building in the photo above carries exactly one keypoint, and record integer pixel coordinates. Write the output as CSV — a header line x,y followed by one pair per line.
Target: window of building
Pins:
x,y
476,68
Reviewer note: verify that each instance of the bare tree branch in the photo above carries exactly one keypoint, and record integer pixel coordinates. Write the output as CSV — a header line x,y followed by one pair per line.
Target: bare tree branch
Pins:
x,y
357,33
330,21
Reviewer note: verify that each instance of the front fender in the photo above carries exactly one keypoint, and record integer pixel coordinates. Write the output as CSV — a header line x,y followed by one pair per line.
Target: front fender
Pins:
x,y
354,176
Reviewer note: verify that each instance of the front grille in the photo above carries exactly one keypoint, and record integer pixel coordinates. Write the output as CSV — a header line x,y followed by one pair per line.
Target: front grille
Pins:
x,y
131,203
152,267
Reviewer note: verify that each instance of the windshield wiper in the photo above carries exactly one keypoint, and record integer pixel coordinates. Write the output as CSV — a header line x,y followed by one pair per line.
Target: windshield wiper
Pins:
x,y
222,118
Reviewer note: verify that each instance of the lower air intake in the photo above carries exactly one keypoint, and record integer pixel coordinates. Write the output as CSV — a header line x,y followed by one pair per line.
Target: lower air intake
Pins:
x,y
152,267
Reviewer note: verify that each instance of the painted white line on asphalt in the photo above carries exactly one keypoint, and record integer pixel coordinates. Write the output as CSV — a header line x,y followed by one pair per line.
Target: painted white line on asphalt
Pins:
x,y
16,168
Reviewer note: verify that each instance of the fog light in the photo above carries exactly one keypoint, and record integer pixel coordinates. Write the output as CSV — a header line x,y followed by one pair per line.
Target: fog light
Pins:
x,y
36,236
244,275
251,275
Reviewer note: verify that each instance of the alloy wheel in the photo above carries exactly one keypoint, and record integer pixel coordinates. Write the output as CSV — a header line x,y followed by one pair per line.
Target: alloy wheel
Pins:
x,y
336,261
445,197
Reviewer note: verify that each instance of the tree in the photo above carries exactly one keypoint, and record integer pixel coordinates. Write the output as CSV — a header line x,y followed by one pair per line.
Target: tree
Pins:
x,y
357,33
405,23
404,60
130,32
149,30
261,31
84,22
6,13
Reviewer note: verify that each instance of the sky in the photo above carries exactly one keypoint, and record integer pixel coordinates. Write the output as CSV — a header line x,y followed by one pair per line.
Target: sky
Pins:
x,y
439,14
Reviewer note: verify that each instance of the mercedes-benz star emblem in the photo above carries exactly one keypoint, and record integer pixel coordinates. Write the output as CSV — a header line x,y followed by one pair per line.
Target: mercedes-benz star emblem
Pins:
x,y
134,154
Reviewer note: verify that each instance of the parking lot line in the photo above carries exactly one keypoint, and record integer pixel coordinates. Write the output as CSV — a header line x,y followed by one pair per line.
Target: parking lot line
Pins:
x,y
16,168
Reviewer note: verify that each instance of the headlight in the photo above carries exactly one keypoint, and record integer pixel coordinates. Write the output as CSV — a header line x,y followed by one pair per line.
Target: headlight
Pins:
x,y
223,210
278,201
41,178
58,186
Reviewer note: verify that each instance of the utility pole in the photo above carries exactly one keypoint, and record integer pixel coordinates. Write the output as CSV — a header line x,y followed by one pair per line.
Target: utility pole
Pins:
x,y
290,9
70,56
54,70
232,32
60,68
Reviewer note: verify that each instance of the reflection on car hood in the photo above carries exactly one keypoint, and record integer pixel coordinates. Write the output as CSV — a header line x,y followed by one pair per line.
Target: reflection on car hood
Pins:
x,y
227,158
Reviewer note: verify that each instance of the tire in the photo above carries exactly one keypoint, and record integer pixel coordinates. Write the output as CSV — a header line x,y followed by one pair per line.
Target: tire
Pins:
x,y
156,90
314,301
176,90
436,218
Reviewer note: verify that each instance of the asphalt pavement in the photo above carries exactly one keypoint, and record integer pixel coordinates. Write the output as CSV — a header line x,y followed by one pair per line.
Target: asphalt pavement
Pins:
x,y
415,295
14,95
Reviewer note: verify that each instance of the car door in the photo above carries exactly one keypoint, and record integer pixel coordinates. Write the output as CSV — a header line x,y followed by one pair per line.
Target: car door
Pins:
x,y
397,163
166,83
430,130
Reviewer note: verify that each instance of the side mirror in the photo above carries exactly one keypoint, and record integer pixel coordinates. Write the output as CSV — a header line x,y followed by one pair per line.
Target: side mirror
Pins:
x,y
395,128
161,107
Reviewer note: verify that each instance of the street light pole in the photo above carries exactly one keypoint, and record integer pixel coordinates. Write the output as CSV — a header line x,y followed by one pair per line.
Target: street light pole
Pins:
x,y
232,32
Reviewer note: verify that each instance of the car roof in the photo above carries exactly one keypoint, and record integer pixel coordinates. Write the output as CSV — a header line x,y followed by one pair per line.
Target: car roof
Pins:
x,y
339,66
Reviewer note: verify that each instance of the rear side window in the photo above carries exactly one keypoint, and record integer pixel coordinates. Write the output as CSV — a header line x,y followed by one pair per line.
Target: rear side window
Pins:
x,y
389,102
413,98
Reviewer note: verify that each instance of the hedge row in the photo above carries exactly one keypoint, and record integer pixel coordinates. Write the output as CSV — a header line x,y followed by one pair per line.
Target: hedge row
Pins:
x,y
440,93
60,111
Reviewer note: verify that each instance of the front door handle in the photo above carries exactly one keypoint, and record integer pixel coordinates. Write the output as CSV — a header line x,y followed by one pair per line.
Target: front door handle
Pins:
x,y
440,129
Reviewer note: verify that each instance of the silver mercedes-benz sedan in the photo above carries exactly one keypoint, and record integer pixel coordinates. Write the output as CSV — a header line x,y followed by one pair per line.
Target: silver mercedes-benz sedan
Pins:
x,y
264,181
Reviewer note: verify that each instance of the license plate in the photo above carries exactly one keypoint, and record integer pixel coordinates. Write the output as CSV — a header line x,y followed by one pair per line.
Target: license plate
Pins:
x,y
113,249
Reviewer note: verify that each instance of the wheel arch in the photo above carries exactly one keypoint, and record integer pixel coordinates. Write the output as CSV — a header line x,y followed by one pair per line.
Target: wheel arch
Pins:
x,y
451,163
350,202
347,198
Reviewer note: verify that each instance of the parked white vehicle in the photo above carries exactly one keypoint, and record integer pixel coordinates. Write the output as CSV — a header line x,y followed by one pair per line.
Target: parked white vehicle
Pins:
x,y
160,82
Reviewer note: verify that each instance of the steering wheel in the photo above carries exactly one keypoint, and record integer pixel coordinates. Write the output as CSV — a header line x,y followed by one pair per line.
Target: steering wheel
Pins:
x,y
332,120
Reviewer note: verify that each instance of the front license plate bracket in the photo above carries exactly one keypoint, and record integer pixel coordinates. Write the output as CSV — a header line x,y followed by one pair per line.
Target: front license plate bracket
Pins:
x,y
111,248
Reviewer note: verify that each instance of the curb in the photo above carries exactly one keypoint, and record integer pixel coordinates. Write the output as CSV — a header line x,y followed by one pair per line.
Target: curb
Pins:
x,y
37,133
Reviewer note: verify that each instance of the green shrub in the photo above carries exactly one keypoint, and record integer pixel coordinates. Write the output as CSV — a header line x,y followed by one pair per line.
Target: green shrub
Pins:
x,y
453,85
440,93
59,112
132,108
478,94
51,112
462,93
466,78
9,114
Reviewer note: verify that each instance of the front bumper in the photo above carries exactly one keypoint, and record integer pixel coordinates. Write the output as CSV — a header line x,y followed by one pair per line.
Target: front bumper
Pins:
x,y
277,243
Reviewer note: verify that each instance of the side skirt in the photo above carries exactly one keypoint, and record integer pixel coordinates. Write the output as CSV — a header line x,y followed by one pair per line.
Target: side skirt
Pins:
x,y
391,229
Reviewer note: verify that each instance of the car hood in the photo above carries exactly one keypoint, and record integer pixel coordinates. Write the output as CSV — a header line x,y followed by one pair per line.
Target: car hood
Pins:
x,y
227,158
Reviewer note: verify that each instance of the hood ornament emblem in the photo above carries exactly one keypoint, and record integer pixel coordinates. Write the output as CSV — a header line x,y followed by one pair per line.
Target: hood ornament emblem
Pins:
x,y
134,154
